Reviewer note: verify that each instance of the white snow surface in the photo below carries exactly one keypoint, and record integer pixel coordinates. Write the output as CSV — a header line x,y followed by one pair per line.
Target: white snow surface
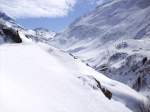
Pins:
x,y
39,78
40,34
24,38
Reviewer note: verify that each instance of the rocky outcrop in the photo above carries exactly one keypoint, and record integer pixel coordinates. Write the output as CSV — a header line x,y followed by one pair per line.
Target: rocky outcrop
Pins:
x,y
133,71
11,34
96,85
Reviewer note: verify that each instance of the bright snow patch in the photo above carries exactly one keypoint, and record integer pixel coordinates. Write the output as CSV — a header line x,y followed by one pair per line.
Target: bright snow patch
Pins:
x,y
24,38
35,78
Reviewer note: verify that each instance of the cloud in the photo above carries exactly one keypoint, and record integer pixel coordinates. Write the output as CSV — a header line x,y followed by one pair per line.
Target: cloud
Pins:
x,y
36,8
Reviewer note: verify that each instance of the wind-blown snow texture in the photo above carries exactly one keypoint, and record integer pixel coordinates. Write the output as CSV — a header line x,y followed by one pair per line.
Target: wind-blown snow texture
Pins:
x,y
42,78
114,40
35,77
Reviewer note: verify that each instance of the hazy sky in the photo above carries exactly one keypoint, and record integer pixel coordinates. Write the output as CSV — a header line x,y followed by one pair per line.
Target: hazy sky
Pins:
x,y
52,14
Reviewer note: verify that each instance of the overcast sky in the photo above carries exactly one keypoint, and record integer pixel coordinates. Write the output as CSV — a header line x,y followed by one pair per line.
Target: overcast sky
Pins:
x,y
52,14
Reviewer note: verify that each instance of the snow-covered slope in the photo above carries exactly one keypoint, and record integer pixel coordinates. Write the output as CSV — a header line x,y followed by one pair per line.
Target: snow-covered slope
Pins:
x,y
44,33
108,37
36,77
111,21
8,21
5,17
9,29
40,35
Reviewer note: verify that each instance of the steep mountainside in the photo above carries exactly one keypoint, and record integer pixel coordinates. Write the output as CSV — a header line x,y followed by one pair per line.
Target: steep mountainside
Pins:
x,y
111,21
46,79
41,35
36,77
114,40
9,31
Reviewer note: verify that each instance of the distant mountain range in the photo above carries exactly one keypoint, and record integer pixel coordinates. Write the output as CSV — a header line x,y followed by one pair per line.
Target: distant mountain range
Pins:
x,y
37,34
114,39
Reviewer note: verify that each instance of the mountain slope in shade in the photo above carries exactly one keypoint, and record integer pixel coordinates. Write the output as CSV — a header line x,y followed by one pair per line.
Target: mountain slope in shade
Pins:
x,y
5,17
9,30
111,21
114,40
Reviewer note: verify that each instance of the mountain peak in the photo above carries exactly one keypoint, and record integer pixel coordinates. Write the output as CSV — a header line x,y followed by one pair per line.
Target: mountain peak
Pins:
x,y
5,17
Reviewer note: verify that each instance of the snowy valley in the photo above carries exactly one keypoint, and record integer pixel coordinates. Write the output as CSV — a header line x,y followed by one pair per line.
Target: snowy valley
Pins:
x,y
114,40
100,63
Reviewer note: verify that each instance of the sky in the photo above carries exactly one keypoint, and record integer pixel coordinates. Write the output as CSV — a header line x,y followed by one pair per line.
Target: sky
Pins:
x,y
54,15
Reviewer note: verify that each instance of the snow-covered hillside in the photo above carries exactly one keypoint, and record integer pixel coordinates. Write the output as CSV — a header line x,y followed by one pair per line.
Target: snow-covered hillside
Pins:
x,y
9,27
111,21
10,31
37,77
113,39
45,33
40,35
5,17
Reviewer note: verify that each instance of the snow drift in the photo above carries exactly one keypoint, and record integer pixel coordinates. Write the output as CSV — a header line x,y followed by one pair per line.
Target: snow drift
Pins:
x,y
36,77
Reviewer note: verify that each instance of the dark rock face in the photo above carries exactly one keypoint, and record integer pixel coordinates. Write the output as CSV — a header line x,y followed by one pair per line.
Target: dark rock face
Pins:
x,y
12,34
1,32
5,17
122,45
118,56
96,85
107,93
143,3
133,71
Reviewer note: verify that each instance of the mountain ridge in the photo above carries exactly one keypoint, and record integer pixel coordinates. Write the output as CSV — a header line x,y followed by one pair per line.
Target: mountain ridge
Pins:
x,y
35,81
111,36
